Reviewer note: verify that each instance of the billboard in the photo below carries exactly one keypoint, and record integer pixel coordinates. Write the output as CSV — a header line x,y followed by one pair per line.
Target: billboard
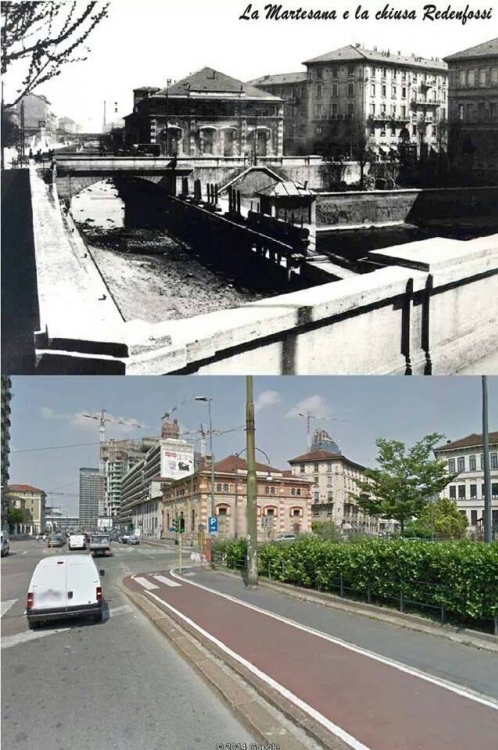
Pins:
x,y
104,524
177,458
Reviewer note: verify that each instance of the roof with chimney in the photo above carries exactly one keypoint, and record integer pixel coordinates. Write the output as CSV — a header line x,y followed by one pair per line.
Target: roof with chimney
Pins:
x,y
356,53
487,49
471,441
211,81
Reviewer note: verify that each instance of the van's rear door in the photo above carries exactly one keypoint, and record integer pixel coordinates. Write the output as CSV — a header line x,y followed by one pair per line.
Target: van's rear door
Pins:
x,y
49,585
82,581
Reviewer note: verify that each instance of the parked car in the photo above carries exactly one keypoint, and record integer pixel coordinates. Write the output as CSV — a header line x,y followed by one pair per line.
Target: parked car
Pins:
x,y
64,586
5,544
286,538
76,541
134,540
56,540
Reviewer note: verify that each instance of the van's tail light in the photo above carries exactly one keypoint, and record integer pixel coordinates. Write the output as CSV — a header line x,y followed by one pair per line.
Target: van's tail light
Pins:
x,y
99,593
30,601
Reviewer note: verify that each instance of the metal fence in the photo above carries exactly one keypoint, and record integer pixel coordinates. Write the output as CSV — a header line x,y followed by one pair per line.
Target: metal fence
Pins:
x,y
403,602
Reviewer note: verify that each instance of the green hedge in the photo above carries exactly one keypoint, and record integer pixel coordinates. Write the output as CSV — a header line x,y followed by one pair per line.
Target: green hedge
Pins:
x,y
462,576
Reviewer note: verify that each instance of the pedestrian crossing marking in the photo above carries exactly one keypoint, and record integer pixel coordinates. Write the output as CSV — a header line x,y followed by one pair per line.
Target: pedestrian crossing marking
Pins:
x,y
167,581
146,584
7,605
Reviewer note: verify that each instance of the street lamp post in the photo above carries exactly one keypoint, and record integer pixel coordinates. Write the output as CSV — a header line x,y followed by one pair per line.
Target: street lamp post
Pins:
x,y
237,484
487,515
208,400
252,520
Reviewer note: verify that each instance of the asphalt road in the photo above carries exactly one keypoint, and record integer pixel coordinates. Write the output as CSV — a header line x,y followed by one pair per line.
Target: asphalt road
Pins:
x,y
426,699
117,685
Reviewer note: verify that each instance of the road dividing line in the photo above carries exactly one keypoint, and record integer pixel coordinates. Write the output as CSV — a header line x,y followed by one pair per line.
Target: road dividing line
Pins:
x,y
333,728
146,584
453,687
167,581
7,605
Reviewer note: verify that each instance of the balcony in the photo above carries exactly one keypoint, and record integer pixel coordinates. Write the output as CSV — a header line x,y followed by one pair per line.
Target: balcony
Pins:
x,y
416,103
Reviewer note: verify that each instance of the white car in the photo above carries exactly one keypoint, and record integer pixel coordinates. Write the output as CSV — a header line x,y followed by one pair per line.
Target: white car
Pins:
x,y
76,541
286,538
5,544
62,587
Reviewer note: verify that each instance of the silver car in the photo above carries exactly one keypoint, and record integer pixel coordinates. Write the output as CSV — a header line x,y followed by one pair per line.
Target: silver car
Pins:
x,y
5,544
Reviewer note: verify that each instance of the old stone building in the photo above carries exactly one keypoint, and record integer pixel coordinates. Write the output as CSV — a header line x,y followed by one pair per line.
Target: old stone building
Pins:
x,y
207,114
32,500
393,96
473,106
293,89
283,500
465,456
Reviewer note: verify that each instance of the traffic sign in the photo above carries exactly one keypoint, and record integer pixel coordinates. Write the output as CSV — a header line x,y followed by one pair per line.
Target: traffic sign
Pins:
x,y
213,525
172,528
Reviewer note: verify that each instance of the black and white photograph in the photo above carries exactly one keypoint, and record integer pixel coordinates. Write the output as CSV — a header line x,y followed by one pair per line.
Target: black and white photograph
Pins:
x,y
232,188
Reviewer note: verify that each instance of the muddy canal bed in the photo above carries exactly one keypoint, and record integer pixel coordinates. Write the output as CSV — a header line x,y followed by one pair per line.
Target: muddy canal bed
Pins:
x,y
151,275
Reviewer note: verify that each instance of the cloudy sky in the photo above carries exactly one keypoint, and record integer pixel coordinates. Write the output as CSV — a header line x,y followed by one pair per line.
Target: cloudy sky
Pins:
x,y
51,439
147,42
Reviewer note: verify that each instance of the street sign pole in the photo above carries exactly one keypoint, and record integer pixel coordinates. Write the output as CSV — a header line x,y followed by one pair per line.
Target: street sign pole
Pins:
x,y
180,552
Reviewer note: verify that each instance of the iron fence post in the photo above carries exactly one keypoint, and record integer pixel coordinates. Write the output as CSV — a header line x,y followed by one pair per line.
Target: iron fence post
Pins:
x,y
401,602
369,598
342,586
443,614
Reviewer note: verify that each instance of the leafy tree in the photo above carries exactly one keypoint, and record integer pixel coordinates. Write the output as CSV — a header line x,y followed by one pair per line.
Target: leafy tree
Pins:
x,y
443,518
405,482
327,530
10,130
346,139
38,38
16,516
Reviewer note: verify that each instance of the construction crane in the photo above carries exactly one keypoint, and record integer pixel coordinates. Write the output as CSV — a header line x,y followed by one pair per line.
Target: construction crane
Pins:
x,y
203,433
167,414
309,416
102,419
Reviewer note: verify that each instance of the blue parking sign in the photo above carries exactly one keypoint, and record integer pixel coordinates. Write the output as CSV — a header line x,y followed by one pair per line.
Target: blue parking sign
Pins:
x,y
213,525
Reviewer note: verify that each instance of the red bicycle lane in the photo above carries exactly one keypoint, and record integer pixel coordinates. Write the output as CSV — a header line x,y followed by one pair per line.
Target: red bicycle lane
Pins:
x,y
378,705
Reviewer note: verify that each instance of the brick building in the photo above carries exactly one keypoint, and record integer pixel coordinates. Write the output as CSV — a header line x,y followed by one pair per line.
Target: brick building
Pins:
x,y
473,112
207,114
283,500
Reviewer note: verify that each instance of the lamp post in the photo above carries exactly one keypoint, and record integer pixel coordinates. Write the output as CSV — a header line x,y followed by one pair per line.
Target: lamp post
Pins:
x,y
252,521
208,400
244,450
487,515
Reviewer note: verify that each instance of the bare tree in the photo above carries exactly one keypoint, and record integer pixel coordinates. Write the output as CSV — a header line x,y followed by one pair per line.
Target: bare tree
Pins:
x,y
39,38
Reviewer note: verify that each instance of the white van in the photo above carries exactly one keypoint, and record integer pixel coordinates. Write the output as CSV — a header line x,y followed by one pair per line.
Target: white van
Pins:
x,y
64,586
76,541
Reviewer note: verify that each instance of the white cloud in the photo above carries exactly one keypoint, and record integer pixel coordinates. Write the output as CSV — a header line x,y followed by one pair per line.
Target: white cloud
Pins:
x,y
267,398
48,413
316,405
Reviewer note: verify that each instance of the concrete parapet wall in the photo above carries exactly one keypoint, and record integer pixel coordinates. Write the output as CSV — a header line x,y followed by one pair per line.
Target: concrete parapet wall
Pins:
x,y
334,210
396,320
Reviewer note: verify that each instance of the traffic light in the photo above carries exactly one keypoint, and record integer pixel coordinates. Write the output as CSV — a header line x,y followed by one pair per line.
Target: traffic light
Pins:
x,y
178,525
182,525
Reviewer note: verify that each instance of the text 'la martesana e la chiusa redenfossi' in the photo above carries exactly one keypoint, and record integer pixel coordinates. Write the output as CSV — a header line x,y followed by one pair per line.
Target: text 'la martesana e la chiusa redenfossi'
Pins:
x,y
430,12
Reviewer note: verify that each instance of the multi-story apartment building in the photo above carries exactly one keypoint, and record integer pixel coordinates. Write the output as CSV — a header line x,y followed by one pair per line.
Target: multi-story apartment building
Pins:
x,y
207,114
91,493
283,500
465,456
293,89
5,438
116,458
473,106
31,499
141,493
395,97
333,478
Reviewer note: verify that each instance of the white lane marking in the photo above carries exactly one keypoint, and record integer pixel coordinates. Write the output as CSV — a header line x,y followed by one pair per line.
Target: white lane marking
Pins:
x,y
29,635
333,728
7,605
413,671
146,584
25,552
167,581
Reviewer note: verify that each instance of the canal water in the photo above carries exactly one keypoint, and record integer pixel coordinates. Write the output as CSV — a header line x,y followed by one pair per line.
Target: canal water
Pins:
x,y
151,275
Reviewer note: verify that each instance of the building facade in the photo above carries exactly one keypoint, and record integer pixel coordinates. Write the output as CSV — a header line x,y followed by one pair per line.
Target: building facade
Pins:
x,y
283,501
292,88
91,493
59,519
333,477
33,500
6,410
207,114
393,99
141,492
116,458
473,106
465,456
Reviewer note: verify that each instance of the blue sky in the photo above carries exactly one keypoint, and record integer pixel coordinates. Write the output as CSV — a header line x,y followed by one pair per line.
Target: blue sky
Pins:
x,y
145,43
47,412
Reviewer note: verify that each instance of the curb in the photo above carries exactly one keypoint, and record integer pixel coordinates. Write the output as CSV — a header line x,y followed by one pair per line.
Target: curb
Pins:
x,y
223,673
464,637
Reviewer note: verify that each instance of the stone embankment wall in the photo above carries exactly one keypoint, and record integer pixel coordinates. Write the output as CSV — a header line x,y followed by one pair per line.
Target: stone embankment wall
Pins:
x,y
339,210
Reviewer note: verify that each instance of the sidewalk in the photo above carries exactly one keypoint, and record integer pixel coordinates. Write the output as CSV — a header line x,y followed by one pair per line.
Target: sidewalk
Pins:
x,y
362,697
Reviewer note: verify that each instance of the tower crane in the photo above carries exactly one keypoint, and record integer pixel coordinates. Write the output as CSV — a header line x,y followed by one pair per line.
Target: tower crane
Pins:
x,y
309,416
102,419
